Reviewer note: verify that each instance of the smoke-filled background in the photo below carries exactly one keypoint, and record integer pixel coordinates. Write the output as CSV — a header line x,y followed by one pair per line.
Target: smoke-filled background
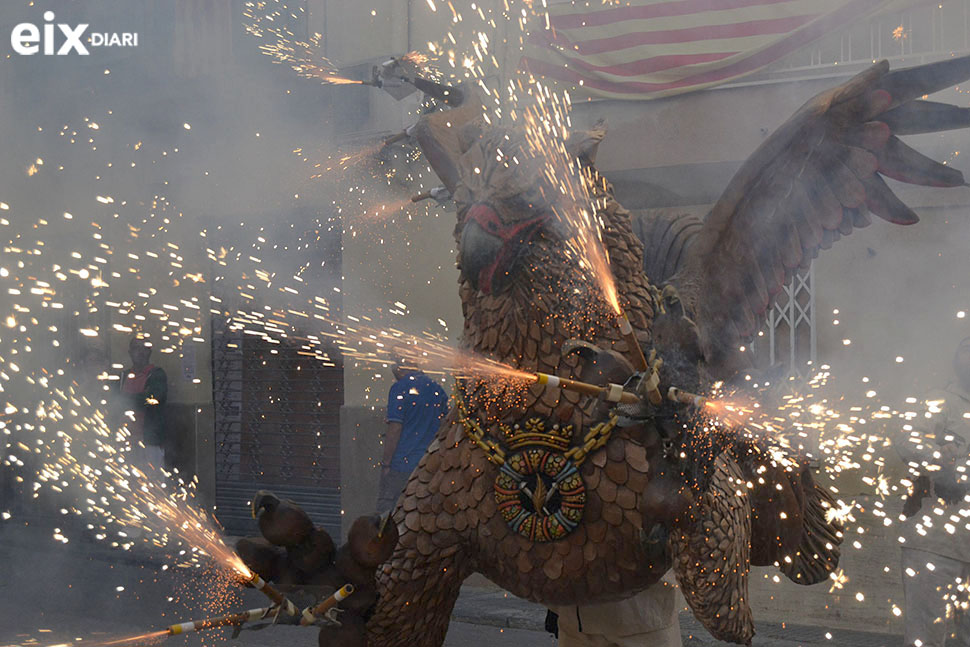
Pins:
x,y
183,190
248,219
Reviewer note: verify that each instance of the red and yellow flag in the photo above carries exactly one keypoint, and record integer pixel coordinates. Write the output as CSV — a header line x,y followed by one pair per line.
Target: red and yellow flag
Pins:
x,y
643,49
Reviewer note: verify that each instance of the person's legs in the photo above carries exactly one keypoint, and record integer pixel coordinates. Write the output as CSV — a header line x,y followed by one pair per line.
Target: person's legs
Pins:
x,y
648,619
392,484
570,638
666,637
926,585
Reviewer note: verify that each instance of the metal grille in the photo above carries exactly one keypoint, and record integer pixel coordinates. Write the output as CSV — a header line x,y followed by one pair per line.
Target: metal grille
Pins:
x,y
789,339
789,334
277,427
920,33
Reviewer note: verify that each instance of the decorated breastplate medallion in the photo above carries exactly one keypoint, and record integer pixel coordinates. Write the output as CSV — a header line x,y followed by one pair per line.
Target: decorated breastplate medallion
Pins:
x,y
539,491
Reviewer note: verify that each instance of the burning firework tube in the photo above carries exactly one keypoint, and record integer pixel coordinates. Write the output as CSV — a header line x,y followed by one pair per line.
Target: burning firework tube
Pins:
x,y
339,596
393,139
439,194
683,397
278,598
626,329
613,392
220,621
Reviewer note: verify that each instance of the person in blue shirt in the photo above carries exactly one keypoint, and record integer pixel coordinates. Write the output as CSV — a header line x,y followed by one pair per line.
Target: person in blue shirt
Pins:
x,y
416,404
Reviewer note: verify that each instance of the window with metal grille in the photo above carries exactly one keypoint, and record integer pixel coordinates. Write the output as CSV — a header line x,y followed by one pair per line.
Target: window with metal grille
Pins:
x,y
277,428
276,397
928,31
788,337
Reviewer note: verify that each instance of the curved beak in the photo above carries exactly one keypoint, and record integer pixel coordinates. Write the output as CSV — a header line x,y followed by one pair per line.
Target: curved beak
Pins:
x,y
261,499
491,248
479,250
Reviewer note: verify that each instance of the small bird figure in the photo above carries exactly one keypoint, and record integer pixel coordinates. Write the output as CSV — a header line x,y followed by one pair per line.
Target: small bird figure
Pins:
x,y
281,521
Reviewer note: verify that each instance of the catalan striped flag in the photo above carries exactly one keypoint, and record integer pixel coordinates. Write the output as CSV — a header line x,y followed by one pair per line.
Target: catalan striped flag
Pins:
x,y
643,49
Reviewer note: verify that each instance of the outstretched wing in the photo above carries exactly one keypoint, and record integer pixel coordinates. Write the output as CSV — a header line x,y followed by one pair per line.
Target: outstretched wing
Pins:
x,y
815,179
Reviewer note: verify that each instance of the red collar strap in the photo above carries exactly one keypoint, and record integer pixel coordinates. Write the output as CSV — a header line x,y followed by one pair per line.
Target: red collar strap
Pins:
x,y
516,233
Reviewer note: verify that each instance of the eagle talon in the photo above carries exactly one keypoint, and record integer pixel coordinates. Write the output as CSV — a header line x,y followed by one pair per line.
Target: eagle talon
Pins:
x,y
384,522
670,451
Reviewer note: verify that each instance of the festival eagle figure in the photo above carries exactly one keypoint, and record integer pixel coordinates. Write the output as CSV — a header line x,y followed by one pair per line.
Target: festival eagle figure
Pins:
x,y
563,498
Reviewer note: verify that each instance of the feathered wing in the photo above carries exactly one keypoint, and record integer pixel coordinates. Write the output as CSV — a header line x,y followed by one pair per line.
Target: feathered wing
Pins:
x,y
815,179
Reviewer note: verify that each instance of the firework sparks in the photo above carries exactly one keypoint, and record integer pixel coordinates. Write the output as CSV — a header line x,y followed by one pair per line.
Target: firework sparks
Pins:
x,y
332,78
417,59
362,342
302,56
735,411
153,637
357,157
386,209
546,121
65,443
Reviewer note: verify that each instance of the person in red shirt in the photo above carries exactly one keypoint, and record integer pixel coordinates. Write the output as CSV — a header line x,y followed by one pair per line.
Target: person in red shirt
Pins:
x,y
145,388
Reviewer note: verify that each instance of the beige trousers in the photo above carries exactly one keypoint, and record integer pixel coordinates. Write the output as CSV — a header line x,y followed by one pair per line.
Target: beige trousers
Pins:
x,y
667,637
648,619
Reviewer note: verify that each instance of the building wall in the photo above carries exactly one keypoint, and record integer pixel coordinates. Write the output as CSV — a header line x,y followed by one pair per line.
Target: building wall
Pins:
x,y
407,258
411,262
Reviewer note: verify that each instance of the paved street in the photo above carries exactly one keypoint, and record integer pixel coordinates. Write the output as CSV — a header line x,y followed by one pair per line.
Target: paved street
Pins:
x,y
53,593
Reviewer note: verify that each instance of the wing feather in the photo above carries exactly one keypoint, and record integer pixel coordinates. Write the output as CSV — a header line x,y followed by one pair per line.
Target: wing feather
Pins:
x,y
814,180
825,206
860,218
845,184
906,164
920,117
883,202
